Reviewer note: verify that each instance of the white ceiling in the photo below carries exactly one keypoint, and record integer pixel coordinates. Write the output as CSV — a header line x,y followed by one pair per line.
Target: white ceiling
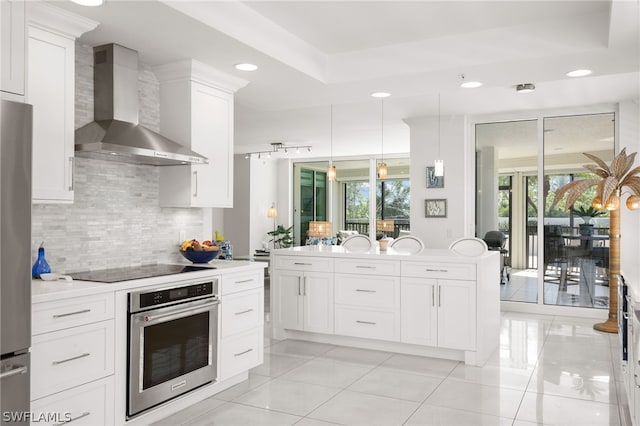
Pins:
x,y
313,54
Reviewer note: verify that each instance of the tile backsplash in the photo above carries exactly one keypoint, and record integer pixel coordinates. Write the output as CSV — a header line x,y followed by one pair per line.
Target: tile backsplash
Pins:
x,y
115,219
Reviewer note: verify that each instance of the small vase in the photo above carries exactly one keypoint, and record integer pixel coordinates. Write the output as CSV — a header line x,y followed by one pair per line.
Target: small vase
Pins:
x,y
40,266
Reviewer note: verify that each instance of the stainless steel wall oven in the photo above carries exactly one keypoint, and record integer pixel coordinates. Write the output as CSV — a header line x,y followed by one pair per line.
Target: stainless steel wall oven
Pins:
x,y
173,334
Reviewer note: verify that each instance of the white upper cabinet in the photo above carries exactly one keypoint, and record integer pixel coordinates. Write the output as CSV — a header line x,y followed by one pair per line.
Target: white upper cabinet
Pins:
x,y
51,91
196,110
13,49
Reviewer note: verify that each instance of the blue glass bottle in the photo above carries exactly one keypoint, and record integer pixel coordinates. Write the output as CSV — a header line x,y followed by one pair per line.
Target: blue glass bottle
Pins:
x,y
40,266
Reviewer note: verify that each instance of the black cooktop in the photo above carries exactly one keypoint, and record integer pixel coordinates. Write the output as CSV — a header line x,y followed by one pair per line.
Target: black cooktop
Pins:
x,y
115,275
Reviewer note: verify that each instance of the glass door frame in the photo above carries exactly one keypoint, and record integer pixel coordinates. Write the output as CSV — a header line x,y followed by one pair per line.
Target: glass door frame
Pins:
x,y
539,115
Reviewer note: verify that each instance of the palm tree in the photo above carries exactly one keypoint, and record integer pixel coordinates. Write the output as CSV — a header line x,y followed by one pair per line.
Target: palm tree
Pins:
x,y
610,182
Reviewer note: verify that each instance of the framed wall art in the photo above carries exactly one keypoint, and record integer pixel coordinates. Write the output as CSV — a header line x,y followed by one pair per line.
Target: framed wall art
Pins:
x,y
435,208
432,180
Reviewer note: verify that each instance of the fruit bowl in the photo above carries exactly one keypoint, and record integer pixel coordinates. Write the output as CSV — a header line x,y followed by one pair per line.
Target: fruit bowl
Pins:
x,y
200,256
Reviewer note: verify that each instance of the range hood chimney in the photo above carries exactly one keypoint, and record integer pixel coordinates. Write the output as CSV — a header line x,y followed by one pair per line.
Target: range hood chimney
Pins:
x,y
115,134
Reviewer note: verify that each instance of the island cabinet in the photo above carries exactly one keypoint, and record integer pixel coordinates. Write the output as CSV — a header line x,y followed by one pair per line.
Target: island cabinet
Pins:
x,y
435,303
305,292
367,299
439,305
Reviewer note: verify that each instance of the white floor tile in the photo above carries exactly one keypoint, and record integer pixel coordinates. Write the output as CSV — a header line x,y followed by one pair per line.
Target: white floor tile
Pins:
x,y
482,399
573,385
184,417
275,365
420,365
396,384
354,408
441,416
491,375
233,392
231,414
356,355
326,372
288,397
557,410
314,422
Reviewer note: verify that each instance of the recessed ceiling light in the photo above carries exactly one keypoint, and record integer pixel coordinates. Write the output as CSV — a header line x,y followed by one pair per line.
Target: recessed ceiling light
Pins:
x,y
578,73
381,94
470,84
526,88
88,2
246,67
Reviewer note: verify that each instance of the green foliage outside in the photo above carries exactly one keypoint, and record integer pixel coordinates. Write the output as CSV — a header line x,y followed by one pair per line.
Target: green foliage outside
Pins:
x,y
397,202
357,200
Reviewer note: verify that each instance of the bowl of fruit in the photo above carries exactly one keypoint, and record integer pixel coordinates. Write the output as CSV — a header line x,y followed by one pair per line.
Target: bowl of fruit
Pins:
x,y
197,252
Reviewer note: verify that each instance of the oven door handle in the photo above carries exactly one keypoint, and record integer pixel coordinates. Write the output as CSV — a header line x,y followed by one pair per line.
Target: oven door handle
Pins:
x,y
180,312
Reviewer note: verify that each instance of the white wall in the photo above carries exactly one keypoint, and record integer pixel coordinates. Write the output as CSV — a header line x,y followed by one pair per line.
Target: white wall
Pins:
x,y
439,232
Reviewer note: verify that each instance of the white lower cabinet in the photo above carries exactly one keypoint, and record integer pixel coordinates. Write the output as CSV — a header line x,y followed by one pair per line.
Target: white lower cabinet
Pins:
x,y
439,313
72,359
241,323
89,404
305,300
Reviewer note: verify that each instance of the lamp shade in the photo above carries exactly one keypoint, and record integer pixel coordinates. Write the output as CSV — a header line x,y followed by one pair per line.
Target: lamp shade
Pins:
x,y
382,170
272,213
320,229
633,202
384,225
332,173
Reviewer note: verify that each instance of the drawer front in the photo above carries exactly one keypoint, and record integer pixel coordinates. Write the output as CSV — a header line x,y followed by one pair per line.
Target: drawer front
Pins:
x,y
61,314
372,267
451,271
67,358
241,311
233,283
304,263
241,352
367,290
370,324
91,405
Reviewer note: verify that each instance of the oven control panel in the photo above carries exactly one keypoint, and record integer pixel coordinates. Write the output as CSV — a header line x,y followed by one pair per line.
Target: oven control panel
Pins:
x,y
147,299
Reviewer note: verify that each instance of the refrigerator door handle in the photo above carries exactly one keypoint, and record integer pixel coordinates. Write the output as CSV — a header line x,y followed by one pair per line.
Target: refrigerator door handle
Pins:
x,y
17,369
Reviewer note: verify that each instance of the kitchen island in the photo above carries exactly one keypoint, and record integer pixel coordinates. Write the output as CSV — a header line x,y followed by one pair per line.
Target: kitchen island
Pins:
x,y
82,334
435,303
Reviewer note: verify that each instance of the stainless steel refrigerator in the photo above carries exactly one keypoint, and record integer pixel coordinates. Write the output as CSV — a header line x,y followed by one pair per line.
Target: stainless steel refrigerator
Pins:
x,y
15,261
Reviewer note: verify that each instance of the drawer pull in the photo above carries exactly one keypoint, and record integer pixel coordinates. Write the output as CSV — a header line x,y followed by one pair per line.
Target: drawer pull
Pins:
x,y
303,264
244,312
365,291
244,281
73,419
436,270
84,355
244,352
18,369
365,322
84,311
365,267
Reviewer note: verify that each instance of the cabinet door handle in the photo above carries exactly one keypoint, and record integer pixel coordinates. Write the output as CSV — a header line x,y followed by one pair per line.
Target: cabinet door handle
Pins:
x,y
302,263
299,290
243,352
433,295
195,175
72,173
439,296
244,281
304,287
365,322
244,312
73,419
365,267
365,291
84,355
84,311
436,270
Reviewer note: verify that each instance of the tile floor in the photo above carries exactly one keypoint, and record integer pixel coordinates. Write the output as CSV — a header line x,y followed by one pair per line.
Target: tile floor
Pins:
x,y
548,370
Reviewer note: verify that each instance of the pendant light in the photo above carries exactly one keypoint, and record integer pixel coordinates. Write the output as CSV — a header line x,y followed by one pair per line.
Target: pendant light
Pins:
x,y
438,169
382,166
331,171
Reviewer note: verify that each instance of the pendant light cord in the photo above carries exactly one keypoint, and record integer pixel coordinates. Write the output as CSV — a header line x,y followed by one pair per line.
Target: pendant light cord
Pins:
x,y
331,135
438,125
382,129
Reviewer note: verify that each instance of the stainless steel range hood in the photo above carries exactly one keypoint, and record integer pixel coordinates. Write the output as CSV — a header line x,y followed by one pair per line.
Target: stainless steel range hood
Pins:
x,y
115,134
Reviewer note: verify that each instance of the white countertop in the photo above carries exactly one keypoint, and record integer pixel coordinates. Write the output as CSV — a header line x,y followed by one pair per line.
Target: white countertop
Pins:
x,y
45,291
440,255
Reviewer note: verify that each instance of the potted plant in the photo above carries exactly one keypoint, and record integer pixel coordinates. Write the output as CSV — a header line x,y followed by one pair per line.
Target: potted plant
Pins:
x,y
586,213
282,237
